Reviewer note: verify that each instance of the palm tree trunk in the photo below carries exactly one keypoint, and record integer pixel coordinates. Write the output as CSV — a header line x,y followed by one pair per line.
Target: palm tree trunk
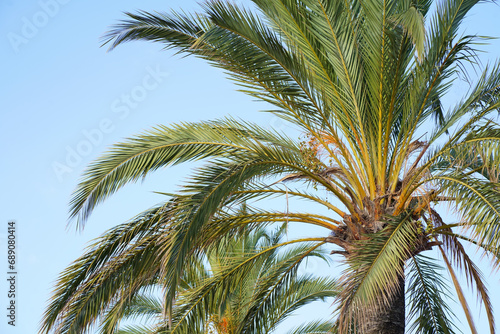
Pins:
x,y
391,320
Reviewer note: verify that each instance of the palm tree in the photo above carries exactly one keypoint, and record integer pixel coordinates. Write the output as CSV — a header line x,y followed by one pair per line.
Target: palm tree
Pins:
x,y
363,81
241,285
250,303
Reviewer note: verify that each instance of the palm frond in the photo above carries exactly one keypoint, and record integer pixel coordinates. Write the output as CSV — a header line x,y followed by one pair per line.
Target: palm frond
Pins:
x,y
374,270
426,295
87,274
163,146
316,327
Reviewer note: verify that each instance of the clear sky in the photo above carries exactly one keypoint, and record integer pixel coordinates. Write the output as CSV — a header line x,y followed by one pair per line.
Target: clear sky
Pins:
x,y
64,100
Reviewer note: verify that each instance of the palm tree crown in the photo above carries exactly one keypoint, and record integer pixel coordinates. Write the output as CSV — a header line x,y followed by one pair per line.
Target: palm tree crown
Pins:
x,y
361,80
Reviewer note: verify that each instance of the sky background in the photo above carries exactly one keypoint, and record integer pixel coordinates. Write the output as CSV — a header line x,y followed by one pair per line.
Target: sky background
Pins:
x,y
64,100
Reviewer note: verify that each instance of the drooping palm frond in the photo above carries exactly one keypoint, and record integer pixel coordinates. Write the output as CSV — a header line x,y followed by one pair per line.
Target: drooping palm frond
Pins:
x,y
165,146
374,271
427,293
454,253
135,329
316,327
238,293
91,279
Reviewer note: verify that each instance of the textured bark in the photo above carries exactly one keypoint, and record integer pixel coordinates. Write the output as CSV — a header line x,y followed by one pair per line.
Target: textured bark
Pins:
x,y
391,320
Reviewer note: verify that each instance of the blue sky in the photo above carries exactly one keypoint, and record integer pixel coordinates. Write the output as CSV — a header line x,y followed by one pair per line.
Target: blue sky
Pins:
x,y
64,100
